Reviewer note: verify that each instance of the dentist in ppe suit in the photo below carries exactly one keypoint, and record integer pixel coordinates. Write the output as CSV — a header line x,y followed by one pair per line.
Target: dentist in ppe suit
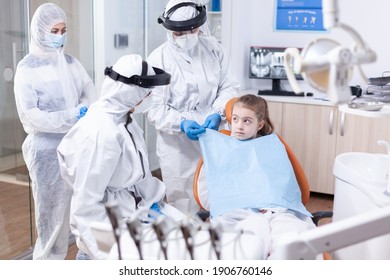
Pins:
x,y
104,158
201,85
52,91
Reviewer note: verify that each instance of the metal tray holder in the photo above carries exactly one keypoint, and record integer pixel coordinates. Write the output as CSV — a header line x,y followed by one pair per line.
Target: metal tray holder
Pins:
x,y
366,103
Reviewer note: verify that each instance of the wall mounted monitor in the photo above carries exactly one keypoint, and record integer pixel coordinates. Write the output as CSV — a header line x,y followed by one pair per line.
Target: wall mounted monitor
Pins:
x,y
268,63
303,15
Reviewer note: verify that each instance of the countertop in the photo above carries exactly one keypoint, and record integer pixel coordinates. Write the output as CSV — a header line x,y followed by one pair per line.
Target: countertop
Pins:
x,y
310,100
322,100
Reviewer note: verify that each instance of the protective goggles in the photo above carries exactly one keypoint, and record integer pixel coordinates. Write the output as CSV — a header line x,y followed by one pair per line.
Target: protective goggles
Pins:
x,y
161,78
185,25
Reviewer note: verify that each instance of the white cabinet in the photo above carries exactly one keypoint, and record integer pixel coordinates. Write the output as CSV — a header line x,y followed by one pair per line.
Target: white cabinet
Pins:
x,y
360,134
310,132
318,133
275,110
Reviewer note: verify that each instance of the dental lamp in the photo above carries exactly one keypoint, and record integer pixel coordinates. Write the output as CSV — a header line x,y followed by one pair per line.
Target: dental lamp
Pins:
x,y
326,64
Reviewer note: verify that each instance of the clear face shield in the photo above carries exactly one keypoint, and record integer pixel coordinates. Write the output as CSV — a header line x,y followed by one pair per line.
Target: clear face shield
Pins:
x,y
184,23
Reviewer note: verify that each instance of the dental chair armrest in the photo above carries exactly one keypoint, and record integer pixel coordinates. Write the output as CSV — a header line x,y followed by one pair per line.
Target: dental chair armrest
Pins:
x,y
317,216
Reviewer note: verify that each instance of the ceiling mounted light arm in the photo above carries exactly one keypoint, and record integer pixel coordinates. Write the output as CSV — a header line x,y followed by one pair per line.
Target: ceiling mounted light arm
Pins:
x,y
330,12
325,64
340,73
362,53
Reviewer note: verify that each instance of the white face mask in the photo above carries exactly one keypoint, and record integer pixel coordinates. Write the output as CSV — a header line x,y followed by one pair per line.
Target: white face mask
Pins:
x,y
55,40
188,41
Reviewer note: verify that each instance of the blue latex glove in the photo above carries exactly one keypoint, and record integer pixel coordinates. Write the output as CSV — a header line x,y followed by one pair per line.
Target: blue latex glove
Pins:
x,y
83,111
192,129
156,209
212,121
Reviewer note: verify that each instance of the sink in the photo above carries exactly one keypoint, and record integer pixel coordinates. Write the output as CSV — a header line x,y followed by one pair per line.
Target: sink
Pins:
x,y
366,171
361,187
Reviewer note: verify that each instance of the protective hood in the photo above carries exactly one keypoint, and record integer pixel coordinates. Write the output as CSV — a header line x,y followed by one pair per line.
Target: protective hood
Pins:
x,y
118,97
185,12
45,17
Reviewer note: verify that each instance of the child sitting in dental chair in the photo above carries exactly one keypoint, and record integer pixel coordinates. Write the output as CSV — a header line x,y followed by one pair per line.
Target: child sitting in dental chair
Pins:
x,y
252,178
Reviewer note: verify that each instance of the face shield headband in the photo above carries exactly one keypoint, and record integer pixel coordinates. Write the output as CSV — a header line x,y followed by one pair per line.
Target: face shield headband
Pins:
x,y
160,79
185,25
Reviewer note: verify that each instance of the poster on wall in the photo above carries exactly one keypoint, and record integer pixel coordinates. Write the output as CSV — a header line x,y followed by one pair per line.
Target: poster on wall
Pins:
x,y
303,15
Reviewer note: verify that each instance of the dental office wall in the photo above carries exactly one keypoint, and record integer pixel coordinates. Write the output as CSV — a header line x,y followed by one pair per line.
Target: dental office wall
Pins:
x,y
251,22
136,19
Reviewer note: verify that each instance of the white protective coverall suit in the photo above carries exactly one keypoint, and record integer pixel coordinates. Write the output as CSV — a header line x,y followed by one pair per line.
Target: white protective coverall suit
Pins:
x,y
50,89
201,84
104,158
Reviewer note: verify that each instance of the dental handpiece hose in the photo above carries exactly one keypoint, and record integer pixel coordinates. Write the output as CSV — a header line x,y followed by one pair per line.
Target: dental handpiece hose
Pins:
x,y
187,230
135,229
113,213
215,240
162,228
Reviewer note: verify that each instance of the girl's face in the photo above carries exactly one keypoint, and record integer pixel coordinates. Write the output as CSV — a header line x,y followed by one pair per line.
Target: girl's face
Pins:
x,y
244,123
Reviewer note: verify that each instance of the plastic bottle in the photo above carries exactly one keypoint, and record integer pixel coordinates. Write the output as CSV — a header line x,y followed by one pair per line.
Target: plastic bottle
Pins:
x,y
215,5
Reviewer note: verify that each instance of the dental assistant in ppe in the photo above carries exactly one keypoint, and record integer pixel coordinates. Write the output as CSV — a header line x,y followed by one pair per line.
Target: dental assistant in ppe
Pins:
x,y
201,85
104,157
52,92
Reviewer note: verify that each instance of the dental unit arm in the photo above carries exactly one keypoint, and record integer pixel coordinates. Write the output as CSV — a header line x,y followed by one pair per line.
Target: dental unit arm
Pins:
x,y
332,67
336,235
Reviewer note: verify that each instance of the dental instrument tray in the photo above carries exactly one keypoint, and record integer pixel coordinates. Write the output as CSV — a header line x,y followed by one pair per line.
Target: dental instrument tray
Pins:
x,y
378,90
379,81
379,93
366,104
